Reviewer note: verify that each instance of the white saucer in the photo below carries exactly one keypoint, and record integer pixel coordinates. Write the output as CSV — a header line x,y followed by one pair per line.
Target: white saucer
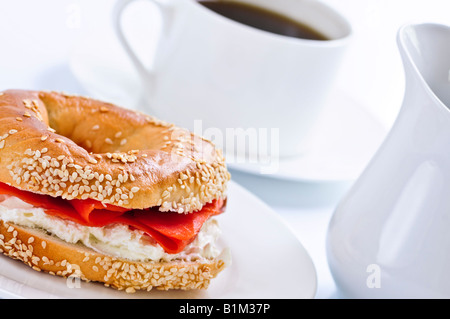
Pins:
x,y
268,262
344,140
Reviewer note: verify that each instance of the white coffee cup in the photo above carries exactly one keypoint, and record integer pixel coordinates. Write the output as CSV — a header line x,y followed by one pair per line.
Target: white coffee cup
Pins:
x,y
227,75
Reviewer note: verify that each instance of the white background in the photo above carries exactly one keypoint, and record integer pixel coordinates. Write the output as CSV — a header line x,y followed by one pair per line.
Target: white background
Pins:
x,y
37,39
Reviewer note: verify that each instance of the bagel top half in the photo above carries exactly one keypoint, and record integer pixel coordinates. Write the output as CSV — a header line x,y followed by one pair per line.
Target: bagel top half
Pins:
x,y
78,148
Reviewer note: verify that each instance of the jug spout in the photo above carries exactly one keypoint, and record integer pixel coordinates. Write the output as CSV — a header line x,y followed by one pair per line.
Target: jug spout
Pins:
x,y
389,235
425,51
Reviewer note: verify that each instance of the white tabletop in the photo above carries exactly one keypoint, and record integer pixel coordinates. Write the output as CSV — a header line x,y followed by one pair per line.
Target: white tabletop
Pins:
x,y
38,37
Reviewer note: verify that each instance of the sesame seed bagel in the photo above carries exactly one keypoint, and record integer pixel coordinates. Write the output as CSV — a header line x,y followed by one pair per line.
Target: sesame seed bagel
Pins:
x,y
78,148
47,253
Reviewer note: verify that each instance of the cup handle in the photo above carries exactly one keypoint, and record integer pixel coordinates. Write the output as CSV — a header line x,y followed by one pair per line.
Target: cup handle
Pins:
x,y
143,72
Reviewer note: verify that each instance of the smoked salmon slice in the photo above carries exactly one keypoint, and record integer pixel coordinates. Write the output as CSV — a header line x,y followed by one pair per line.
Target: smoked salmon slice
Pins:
x,y
171,230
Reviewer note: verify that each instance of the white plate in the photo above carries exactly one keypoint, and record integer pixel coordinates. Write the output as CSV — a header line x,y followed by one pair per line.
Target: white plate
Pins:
x,y
344,139
268,261
342,143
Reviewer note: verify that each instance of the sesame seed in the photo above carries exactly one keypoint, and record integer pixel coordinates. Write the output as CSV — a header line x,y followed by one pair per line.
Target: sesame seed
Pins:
x,y
135,189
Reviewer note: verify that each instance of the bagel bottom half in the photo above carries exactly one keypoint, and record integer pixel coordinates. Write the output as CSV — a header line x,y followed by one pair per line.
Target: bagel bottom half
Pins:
x,y
44,252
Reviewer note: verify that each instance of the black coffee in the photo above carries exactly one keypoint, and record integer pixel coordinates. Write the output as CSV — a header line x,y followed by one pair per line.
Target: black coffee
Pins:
x,y
263,19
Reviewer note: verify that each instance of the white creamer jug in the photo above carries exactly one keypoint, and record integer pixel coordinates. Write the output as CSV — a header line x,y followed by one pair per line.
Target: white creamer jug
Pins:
x,y
390,236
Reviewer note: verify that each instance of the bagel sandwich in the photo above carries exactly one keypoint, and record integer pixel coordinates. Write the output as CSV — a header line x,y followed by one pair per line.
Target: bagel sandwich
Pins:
x,y
110,195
